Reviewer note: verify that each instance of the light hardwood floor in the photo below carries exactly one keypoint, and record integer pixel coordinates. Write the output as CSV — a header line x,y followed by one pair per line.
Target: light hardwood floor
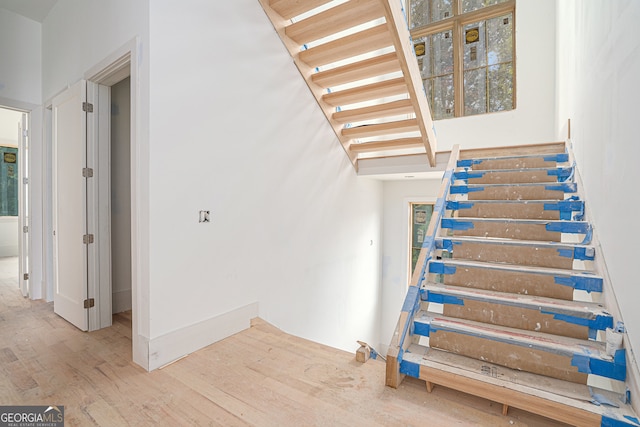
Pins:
x,y
260,377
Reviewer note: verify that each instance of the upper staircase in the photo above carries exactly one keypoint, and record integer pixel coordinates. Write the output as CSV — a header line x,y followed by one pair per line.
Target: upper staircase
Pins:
x,y
505,299
357,58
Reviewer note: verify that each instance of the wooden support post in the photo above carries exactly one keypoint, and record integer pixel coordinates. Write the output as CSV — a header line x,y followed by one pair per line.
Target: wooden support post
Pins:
x,y
363,353
429,386
505,409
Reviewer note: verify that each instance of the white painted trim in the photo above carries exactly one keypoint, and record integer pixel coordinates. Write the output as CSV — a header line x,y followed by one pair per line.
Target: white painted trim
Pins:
x,y
174,345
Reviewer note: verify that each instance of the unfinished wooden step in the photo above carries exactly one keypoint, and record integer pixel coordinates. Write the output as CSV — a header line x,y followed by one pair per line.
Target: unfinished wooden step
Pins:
x,y
372,67
523,229
558,357
334,20
515,162
514,150
365,41
530,253
564,401
554,191
534,281
369,92
381,129
391,144
291,8
575,319
514,176
388,109
523,209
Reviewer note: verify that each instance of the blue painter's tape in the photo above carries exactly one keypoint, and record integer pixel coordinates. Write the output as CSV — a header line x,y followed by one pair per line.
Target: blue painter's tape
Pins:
x,y
560,158
459,189
441,268
456,224
465,175
562,173
411,300
410,368
600,322
567,187
616,369
584,283
467,163
443,299
577,227
584,253
444,244
608,421
421,328
567,253
428,242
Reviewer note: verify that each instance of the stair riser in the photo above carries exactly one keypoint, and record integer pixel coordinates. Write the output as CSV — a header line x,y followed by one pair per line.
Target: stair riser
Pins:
x,y
522,230
523,255
560,210
514,177
528,319
550,161
515,282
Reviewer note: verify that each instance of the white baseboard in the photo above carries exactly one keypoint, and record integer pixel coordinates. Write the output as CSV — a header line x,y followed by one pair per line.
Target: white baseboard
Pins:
x,y
174,345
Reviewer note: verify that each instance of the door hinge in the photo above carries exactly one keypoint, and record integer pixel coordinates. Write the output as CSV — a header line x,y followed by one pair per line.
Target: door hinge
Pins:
x,y
88,107
87,172
25,180
87,238
25,132
25,228
88,303
25,276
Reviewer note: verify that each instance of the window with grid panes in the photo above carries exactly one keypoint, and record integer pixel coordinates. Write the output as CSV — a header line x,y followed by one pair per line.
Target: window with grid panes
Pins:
x,y
466,52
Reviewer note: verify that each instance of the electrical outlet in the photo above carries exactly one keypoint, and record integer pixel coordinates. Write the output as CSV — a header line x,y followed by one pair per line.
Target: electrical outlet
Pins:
x,y
205,216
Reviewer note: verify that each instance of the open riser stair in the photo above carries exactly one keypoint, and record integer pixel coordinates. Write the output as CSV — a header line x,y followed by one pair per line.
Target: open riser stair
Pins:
x,y
506,301
357,58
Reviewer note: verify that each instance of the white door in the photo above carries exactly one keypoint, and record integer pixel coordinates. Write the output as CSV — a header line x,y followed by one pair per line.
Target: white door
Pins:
x,y
69,205
23,202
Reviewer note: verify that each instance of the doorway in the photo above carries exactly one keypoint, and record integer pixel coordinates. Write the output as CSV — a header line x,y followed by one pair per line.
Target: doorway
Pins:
x,y
14,194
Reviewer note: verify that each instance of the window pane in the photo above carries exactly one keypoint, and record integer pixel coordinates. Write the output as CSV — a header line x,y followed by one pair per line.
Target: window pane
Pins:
x,y
8,181
500,79
442,104
438,54
420,217
475,91
475,49
500,39
424,12
470,5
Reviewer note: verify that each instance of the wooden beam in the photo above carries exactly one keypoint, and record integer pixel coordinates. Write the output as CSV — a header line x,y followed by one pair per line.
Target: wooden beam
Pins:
x,y
372,67
334,20
369,40
367,92
394,108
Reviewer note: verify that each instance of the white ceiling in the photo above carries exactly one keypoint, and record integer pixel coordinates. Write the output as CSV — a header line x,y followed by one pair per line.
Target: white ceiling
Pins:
x,y
32,9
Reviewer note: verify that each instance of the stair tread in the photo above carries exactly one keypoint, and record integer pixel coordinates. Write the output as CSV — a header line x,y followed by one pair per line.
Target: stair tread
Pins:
x,y
367,92
515,152
517,299
537,340
372,67
513,387
521,268
497,241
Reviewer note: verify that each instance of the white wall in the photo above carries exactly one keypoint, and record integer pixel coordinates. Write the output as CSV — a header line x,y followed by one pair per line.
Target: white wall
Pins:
x,y
395,262
235,130
533,120
8,236
598,69
20,67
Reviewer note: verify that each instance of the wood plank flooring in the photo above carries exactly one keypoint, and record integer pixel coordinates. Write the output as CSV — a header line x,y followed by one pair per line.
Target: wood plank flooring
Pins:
x,y
259,377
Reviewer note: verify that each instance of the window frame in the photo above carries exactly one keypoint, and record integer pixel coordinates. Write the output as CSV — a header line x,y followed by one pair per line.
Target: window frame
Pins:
x,y
456,24
410,228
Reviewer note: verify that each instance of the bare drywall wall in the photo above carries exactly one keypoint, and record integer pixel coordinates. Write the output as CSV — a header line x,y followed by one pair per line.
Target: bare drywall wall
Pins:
x,y
533,119
598,69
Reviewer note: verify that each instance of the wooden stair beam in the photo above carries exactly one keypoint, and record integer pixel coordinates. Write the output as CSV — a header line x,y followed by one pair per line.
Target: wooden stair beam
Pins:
x,y
369,40
551,191
534,254
523,229
514,150
573,319
403,42
291,8
372,67
392,144
334,20
516,209
383,89
513,279
381,129
518,176
558,357
389,109
559,400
